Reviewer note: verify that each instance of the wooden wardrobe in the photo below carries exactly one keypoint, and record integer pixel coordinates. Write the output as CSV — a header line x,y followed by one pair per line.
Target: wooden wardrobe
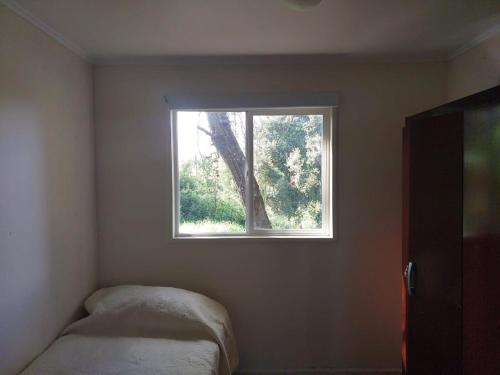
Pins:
x,y
451,238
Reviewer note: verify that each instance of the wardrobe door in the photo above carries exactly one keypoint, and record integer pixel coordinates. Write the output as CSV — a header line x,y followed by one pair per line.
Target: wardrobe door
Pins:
x,y
432,217
481,282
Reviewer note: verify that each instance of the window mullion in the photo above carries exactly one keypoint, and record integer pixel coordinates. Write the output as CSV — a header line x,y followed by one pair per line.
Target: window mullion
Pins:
x,y
325,172
175,173
249,175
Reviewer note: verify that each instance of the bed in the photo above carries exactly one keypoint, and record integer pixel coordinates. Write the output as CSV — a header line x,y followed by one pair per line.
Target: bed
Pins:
x,y
144,330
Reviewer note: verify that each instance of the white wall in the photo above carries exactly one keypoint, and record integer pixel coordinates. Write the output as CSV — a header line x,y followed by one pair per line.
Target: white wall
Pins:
x,y
475,70
295,304
47,206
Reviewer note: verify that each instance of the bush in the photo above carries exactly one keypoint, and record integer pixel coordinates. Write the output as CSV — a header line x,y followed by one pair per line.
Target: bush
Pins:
x,y
197,203
208,226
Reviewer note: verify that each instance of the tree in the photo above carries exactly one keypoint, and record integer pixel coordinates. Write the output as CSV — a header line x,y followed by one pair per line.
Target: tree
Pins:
x,y
287,165
227,146
287,159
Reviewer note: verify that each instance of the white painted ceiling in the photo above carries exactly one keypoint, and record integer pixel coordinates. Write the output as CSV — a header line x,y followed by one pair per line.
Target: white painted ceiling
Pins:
x,y
391,29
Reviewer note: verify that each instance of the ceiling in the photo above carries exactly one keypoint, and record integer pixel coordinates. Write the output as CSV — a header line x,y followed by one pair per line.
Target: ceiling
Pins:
x,y
387,29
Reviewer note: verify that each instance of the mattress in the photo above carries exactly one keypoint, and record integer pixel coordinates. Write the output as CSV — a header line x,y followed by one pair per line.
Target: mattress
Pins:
x,y
88,355
82,355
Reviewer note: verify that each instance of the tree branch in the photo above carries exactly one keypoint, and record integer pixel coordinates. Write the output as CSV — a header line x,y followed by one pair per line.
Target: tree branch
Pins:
x,y
205,131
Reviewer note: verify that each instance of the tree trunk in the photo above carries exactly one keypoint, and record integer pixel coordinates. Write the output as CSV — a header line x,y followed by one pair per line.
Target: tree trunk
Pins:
x,y
227,146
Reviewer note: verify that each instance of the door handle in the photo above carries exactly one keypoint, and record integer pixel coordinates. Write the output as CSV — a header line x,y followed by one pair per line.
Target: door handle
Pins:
x,y
410,276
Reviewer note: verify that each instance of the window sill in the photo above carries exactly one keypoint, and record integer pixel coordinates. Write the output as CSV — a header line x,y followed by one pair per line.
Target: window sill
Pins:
x,y
325,238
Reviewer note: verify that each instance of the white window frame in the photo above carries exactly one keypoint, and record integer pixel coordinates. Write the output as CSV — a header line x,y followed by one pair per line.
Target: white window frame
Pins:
x,y
327,174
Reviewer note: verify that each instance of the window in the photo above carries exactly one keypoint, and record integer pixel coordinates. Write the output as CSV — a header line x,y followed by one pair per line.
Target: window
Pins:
x,y
252,172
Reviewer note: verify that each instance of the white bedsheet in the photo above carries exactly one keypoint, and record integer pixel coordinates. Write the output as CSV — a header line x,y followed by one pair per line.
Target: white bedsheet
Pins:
x,y
144,330
89,355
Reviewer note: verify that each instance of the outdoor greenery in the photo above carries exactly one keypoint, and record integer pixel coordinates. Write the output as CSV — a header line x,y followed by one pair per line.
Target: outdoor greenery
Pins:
x,y
287,168
208,195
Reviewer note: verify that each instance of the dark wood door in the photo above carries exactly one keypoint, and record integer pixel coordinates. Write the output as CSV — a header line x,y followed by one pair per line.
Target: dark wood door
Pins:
x,y
481,249
432,241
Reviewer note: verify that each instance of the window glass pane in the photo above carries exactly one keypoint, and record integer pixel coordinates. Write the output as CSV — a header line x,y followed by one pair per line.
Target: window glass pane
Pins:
x,y
211,166
287,169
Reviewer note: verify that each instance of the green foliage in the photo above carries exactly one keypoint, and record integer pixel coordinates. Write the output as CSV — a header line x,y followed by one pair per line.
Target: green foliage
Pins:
x,y
287,166
288,169
211,226
201,198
